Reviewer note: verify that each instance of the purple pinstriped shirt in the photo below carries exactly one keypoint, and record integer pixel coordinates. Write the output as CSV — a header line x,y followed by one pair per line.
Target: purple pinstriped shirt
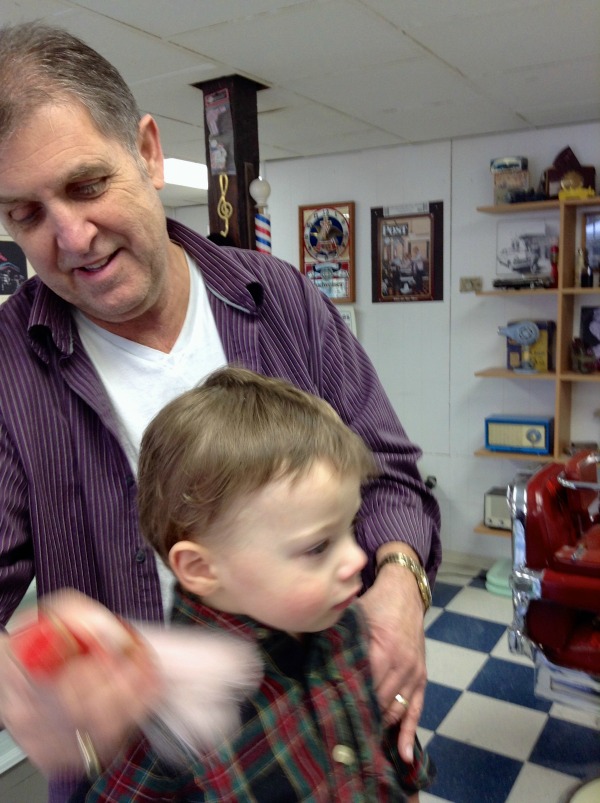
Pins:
x,y
68,498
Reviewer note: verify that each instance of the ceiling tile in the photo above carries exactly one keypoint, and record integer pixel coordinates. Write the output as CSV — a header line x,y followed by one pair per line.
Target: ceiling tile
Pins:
x,y
300,41
164,19
550,85
541,33
138,56
449,119
399,86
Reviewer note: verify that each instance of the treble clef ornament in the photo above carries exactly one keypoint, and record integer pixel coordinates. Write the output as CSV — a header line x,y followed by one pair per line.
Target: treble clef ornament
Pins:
x,y
224,208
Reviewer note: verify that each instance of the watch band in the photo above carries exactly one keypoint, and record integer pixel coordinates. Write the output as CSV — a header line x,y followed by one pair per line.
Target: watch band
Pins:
x,y
417,570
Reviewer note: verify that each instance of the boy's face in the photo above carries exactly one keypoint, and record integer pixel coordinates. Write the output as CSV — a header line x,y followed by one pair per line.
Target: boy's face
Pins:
x,y
290,559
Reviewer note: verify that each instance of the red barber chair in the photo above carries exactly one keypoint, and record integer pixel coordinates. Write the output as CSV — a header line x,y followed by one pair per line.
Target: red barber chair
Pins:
x,y
555,578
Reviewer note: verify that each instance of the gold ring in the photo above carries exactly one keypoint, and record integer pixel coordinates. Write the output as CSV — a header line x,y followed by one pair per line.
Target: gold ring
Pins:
x,y
91,762
402,700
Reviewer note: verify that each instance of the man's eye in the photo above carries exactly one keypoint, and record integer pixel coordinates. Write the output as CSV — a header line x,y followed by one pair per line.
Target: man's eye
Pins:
x,y
23,214
318,549
90,189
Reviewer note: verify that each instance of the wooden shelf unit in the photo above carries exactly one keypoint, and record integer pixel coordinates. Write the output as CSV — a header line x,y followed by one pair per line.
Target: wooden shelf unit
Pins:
x,y
519,456
566,293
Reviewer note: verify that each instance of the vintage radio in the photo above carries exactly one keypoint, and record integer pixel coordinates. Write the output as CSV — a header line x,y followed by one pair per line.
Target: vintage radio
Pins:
x,y
496,512
519,433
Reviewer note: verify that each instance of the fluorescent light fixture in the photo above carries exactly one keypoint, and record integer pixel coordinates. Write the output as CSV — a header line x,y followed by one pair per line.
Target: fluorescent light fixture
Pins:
x,y
186,174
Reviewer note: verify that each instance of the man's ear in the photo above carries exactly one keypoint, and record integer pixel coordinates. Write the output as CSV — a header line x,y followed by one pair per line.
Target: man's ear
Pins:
x,y
150,149
192,565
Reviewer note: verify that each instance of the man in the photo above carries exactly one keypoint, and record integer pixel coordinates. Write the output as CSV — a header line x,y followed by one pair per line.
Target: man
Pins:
x,y
127,311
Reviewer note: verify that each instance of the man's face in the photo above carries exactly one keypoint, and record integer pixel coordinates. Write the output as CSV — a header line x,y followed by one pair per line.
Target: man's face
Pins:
x,y
289,558
86,213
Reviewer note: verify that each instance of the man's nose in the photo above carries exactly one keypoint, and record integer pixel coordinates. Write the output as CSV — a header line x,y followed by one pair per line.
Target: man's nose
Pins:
x,y
72,229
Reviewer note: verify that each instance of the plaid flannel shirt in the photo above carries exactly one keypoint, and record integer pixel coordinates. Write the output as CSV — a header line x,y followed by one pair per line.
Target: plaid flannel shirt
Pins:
x,y
312,731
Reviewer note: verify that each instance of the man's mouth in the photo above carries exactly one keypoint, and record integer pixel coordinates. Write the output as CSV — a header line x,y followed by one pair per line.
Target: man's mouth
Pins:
x,y
96,266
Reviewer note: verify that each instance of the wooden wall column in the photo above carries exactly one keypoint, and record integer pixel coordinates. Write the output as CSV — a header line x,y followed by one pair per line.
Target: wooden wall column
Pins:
x,y
232,154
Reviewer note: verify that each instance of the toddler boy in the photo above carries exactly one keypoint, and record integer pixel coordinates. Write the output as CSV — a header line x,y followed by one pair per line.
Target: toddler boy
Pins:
x,y
248,490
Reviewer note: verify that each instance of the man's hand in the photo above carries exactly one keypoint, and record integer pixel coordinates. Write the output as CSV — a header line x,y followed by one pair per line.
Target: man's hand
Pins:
x,y
394,611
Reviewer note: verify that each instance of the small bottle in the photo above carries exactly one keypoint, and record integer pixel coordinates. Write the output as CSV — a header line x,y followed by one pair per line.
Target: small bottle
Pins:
x,y
586,272
554,264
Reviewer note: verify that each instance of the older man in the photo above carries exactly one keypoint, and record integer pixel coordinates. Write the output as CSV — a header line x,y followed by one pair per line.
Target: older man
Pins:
x,y
127,310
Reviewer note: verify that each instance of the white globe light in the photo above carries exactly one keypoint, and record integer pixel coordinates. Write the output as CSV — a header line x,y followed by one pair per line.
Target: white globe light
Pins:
x,y
260,189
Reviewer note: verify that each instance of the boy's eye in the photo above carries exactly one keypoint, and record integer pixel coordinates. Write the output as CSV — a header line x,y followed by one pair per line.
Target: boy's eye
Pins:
x,y
317,549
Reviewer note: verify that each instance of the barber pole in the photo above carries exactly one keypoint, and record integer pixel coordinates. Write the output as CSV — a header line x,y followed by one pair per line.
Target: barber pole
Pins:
x,y
262,226
260,189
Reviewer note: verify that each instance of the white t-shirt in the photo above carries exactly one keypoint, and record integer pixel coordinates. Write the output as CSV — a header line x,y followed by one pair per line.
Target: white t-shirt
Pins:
x,y
140,380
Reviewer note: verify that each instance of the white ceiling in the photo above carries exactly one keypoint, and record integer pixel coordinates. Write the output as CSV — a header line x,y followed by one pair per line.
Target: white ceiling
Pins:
x,y
345,75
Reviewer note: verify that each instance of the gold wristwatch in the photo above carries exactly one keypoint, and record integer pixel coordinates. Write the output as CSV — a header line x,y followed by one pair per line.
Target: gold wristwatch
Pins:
x,y
417,570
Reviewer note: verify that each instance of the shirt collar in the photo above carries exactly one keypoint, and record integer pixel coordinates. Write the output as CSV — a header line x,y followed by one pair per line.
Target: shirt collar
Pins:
x,y
189,609
228,273
232,274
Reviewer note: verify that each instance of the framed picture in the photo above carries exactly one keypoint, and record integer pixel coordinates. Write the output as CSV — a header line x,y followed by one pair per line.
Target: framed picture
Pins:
x,y
13,266
523,246
407,252
590,238
327,248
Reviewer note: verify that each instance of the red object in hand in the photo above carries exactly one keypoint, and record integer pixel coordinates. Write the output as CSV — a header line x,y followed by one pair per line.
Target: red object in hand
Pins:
x,y
43,647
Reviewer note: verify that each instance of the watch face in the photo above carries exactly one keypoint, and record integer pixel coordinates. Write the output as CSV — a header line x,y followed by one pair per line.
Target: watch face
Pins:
x,y
326,234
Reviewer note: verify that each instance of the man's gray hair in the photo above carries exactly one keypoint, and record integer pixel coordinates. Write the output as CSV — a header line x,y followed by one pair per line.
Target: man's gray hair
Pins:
x,y
40,64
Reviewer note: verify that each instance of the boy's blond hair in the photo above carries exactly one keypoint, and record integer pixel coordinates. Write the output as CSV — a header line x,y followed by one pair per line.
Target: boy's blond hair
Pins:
x,y
231,436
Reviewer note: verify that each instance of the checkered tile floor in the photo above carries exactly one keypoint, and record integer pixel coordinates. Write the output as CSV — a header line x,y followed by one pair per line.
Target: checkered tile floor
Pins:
x,y
491,739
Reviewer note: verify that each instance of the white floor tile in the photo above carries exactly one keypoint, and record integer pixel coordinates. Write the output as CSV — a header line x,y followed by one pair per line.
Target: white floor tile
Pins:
x,y
424,735
537,784
424,797
451,665
495,725
502,651
480,603
576,715
432,614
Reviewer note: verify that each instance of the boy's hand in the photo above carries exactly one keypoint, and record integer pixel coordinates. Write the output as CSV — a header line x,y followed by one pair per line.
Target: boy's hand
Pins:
x,y
89,673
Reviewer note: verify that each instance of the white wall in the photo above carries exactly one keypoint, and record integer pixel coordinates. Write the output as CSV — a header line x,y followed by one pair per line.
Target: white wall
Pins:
x,y
196,217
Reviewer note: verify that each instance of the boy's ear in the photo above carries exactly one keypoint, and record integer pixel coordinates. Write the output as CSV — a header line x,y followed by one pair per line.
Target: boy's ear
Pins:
x,y
192,565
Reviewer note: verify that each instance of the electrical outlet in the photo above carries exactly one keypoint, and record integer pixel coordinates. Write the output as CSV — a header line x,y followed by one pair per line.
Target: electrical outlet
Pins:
x,y
471,284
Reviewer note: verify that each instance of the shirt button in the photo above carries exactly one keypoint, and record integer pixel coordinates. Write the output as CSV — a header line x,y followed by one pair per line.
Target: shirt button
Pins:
x,y
343,754
140,555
